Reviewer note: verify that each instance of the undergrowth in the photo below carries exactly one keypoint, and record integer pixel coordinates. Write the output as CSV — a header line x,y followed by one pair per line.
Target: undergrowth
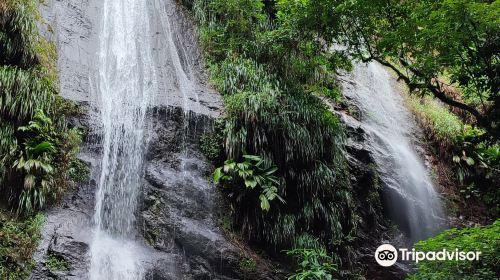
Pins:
x,y
18,240
476,163
37,148
483,239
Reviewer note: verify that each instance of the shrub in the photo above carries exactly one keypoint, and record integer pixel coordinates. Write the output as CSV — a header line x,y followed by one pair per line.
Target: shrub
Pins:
x,y
250,173
313,260
18,241
269,70
483,239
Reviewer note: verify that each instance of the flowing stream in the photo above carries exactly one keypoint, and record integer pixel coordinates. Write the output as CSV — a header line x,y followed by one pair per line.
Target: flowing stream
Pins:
x,y
409,198
125,84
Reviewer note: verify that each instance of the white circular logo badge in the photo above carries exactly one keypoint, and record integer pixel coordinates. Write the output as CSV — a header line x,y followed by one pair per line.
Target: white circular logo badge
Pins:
x,y
386,255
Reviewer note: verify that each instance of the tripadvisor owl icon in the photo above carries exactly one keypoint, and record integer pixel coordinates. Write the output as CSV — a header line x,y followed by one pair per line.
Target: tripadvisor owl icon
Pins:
x,y
386,255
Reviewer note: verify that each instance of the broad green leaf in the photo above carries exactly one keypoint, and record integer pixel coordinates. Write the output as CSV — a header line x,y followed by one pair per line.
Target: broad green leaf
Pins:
x,y
217,175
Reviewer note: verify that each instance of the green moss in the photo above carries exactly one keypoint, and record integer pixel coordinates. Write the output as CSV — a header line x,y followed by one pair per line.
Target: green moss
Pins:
x,y
248,265
152,235
56,263
18,240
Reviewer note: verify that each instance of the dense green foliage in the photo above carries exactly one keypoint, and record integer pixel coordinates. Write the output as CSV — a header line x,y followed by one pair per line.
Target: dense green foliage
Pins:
x,y
458,39
267,60
36,147
272,59
476,166
314,262
18,241
483,239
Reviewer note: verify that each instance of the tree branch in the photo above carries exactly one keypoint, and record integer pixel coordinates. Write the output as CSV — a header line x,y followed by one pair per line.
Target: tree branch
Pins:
x,y
436,89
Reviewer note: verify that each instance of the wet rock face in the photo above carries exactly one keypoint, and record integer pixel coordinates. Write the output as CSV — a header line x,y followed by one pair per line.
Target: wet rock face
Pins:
x,y
177,215
363,176
73,25
176,218
67,229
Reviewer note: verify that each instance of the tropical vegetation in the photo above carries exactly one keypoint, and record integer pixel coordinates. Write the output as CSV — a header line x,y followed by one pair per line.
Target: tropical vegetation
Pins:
x,y
18,240
276,63
447,51
271,74
279,148
475,239
37,149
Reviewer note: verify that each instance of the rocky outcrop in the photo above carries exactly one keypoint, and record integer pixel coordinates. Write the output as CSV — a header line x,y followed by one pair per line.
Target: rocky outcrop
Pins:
x,y
177,220
179,202
375,228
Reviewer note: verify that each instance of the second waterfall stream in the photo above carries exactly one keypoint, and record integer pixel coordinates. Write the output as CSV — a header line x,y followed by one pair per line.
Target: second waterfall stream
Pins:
x,y
410,199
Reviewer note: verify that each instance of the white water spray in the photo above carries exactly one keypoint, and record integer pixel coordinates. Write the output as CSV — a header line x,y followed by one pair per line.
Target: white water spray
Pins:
x,y
125,84
410,196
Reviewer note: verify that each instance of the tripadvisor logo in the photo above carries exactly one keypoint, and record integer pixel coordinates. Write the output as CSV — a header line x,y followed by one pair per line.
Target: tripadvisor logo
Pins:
x,y
386,255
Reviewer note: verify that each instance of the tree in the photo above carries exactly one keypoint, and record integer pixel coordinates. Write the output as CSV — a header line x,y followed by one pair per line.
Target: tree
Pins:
x,y
429,42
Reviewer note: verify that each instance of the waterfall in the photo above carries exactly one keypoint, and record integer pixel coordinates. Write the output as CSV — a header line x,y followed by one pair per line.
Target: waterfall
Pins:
x,y
409,195
124,85
182,71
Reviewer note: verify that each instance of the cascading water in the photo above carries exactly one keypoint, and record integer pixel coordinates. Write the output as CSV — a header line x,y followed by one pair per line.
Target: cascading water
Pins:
x,y
410,197
182,73
124,85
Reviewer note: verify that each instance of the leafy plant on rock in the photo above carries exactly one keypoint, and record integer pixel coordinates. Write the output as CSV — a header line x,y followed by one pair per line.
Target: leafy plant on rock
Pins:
x,y
313,260
253,174
36,146
483,239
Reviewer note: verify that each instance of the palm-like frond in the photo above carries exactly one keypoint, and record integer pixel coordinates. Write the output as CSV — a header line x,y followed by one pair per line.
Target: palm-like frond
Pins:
x,y
297,133
22,93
